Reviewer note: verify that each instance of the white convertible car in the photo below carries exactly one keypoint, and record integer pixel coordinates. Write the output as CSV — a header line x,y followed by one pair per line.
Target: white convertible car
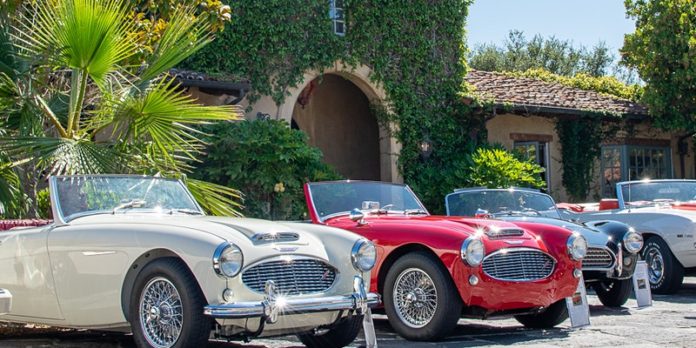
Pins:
x,y
134,252
664,212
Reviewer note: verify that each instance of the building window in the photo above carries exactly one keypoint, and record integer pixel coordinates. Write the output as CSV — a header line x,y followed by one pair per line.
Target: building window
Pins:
x,y
629,162
537,152
338,17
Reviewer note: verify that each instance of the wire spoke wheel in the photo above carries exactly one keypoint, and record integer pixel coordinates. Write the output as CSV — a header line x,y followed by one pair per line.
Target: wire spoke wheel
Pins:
x,y
415,297
161,313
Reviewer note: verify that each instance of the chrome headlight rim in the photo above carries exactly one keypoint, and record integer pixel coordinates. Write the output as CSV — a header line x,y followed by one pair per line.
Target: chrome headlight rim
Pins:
x,y
219,259
358,252
632,241
467,253
577,246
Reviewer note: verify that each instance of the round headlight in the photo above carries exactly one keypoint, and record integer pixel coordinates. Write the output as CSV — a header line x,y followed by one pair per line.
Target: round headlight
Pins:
x,y
632,241
577,247
363,255
472,251
228,260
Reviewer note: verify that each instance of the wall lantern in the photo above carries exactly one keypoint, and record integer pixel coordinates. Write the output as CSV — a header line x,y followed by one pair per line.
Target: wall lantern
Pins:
x,y
426,147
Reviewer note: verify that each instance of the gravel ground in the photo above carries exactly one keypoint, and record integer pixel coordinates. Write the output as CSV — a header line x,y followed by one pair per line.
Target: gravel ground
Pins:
x,y
671,322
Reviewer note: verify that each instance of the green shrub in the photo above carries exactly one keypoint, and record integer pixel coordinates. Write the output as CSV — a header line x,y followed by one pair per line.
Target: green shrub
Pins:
x,y
268,162
497,168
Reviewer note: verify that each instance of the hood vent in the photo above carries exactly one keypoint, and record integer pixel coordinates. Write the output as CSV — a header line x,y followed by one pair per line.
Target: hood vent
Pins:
x,y
503,232
275,237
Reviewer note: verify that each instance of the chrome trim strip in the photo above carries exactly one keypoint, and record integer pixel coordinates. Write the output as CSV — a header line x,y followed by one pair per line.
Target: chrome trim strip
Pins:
x,y
358,301
98,253
512,250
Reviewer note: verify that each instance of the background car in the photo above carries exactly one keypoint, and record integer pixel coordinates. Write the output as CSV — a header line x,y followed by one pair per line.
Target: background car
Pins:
x,y
663,212
138,252
613,247
432,270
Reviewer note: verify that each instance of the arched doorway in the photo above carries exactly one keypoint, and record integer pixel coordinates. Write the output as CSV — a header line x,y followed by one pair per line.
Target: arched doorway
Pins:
x,y
337,118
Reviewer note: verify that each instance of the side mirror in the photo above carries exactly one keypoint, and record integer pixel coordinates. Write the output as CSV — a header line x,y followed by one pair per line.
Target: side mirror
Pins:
x,y
358,216
482,214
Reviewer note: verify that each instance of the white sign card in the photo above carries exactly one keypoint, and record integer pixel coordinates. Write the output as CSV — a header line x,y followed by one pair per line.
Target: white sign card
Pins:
x,y
5,301
641,285
578,308
369,330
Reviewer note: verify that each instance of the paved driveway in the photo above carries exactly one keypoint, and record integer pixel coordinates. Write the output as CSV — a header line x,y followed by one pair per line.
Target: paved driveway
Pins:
x,y
670,322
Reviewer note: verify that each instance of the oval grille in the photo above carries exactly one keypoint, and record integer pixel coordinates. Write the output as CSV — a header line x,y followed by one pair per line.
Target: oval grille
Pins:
x,y
292,277
598,258
519,265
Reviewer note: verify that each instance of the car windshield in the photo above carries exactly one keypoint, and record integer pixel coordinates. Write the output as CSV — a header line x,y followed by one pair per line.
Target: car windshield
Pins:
x,y
500,203
86,195
655,192
338,198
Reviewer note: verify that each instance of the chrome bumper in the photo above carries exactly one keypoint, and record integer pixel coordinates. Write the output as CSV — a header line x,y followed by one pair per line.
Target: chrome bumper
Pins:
x,y
5,301
272,306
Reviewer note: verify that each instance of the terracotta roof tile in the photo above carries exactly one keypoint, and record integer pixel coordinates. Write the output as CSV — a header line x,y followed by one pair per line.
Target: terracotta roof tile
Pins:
x,y
537,93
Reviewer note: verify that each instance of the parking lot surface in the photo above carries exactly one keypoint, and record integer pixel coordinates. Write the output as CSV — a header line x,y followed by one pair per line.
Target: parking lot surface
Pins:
x,y
671,322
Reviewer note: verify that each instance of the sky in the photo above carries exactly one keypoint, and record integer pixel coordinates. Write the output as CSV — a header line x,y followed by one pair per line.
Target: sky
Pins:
x,y
585,22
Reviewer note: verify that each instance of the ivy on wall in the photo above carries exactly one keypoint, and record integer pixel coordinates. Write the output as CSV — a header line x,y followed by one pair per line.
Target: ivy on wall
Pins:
x,y
581,145
416,50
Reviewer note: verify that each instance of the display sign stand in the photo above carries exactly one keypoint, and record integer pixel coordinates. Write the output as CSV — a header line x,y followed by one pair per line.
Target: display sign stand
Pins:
x,y
369,330
5,301
578,308
641,285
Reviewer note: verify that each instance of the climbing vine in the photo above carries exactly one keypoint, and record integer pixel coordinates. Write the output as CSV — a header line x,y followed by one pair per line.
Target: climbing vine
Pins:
x,y
581,145
416,50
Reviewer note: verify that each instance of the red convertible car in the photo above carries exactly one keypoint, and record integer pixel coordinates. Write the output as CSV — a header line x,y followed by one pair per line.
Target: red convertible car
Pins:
x,y
433,270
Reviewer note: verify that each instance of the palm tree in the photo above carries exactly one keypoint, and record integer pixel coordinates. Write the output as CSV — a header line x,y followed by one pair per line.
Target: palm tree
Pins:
x,y
72,101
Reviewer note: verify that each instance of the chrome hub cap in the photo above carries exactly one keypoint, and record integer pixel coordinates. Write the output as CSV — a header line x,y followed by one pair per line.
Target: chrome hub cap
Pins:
x,y
656,265
161,313
415,298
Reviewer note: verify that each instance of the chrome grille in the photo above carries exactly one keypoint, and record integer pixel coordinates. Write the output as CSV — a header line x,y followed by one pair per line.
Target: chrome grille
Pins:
x,y
292,277
504,232
519,264
598,258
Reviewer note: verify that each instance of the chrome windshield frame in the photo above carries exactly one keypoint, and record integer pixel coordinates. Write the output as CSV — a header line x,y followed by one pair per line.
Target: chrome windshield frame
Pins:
x,y
511,189
336,214
57,211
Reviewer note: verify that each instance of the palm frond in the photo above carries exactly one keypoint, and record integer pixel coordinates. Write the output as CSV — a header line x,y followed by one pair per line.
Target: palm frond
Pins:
x,y
11,195
215,199
80,34
185,34
160,120
60,156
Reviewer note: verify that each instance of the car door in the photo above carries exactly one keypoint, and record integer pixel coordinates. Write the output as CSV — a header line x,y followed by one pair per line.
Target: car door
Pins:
x,y
25,270
90,263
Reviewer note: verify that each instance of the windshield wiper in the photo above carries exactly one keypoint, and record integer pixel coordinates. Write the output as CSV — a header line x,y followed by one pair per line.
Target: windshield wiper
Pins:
x,y
184,211
415,212
135,203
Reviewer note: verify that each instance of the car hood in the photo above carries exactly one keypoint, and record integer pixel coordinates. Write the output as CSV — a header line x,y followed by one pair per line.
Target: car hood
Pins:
x,y
593,236
267,237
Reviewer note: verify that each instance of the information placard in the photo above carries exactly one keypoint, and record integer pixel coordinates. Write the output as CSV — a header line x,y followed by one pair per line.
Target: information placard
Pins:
x,y
5,301
369,330
578,308
641,285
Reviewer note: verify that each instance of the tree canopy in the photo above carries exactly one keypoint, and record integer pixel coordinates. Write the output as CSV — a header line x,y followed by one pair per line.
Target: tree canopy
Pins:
x,y
663,51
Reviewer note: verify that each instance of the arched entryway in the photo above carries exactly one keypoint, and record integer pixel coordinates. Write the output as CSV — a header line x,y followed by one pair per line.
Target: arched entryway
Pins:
x,y
337,118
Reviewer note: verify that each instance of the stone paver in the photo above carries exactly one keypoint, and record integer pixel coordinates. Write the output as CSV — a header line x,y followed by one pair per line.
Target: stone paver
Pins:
x,y
671,322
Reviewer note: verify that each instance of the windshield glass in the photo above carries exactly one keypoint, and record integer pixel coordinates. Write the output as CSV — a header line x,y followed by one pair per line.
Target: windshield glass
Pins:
x,y
650,193
501,202
335,198
84,195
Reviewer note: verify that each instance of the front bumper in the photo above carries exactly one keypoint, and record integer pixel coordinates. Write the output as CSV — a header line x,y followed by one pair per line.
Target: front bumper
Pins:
x,y
272,306
5,301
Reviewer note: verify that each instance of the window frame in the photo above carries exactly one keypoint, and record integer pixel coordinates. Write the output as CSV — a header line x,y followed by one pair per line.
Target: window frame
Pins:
x,y
334,10
625,165
539,156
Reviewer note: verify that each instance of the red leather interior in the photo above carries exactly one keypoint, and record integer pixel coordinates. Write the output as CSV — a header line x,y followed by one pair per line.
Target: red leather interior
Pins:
x,y
8,224
608,204
570,206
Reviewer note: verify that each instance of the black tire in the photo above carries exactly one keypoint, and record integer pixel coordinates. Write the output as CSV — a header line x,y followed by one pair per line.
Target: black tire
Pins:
x,y
552,316
614,293
338,336
672,275
448,303
195,327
